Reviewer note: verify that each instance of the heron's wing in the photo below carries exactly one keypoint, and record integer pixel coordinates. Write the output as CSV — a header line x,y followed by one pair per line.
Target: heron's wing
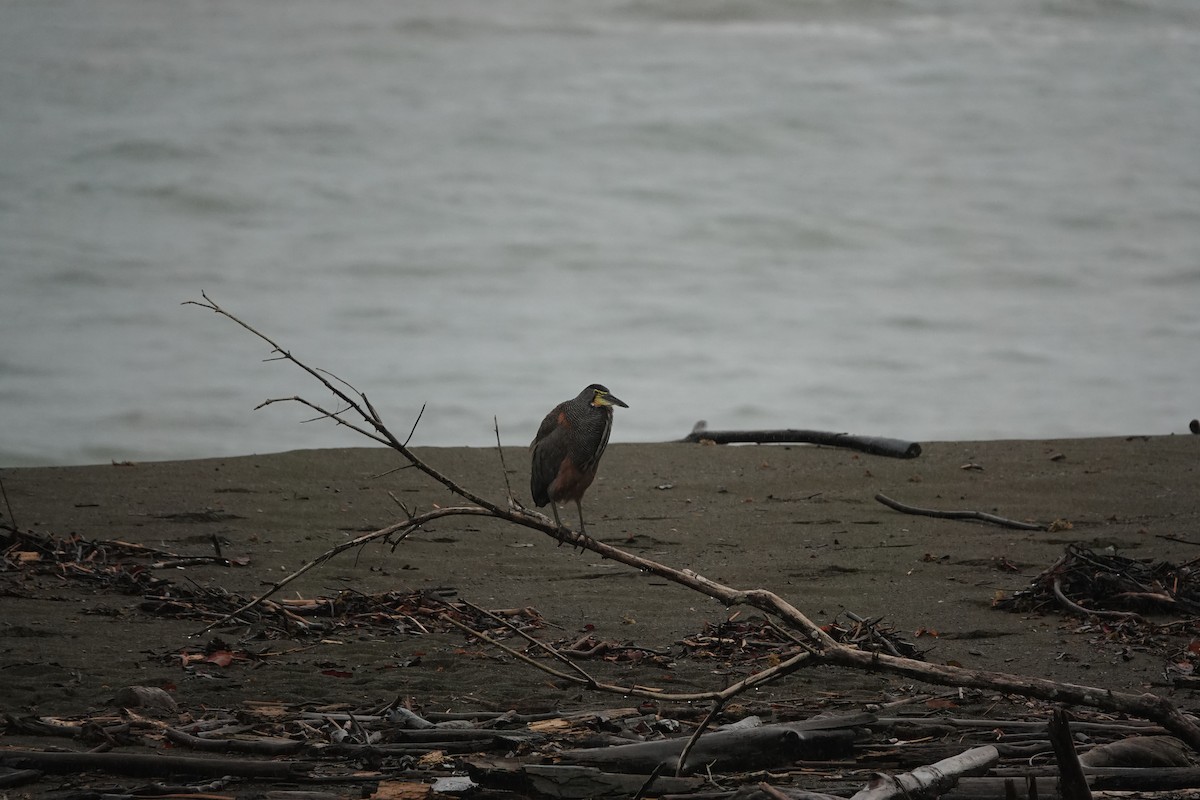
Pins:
x,y
547,427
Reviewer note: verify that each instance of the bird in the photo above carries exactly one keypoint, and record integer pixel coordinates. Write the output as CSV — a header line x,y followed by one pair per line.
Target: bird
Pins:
x,y
567,449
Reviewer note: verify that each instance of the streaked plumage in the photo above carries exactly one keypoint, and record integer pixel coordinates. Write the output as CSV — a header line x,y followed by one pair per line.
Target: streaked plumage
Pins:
x,y
568,447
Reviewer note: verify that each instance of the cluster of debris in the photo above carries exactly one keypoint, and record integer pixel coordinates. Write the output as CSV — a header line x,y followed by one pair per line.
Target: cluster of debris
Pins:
x,y
700,751
1088,582
398,750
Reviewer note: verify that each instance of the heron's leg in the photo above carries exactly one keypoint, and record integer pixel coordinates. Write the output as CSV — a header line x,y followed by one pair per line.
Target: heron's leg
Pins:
x,y
557,521
582,527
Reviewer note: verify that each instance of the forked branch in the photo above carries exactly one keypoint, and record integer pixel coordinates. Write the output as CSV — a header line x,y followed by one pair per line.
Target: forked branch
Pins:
x,y
360,416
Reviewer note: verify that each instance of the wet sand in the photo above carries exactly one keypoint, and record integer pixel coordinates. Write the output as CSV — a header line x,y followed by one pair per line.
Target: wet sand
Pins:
x,y
801,521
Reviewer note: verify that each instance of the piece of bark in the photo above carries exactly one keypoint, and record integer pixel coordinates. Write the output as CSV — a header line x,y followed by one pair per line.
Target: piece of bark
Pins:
x,y
932,780
874,445
150,699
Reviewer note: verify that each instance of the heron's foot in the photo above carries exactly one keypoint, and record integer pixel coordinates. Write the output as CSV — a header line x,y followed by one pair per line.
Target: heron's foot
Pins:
x,y
580,539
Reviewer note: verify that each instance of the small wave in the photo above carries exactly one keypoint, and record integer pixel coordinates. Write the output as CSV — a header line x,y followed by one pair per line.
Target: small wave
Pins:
x,y
12,369
1179,279
196,201
143,150
723,12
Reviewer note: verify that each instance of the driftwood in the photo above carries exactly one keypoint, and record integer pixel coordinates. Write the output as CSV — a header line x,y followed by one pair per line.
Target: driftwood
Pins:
x,y
761,791
149,765
19,777
259,746
873,445
764,747
565,780
1109,779
932,780
975,515
539,760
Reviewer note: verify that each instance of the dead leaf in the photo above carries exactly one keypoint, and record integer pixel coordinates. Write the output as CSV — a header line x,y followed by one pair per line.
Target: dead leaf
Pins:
x,y
222,658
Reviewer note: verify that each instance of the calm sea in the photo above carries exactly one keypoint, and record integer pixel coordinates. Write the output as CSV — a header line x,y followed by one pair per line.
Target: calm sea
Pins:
x,y
908,218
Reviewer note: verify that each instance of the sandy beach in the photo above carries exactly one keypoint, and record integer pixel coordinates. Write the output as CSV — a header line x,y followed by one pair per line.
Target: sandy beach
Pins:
x,y
799,520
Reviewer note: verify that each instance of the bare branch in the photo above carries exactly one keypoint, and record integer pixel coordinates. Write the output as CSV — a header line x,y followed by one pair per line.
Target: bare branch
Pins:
x,y
820,647
325,414
384,435
416,422
648,692
11,517
695,737
405,528
512,501
552,651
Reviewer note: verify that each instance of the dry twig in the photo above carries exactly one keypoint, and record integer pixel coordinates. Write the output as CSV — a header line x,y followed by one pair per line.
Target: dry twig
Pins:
x,y
976,515
824,649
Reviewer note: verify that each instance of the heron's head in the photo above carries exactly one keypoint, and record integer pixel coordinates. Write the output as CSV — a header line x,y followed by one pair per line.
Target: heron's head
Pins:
x,y
600,397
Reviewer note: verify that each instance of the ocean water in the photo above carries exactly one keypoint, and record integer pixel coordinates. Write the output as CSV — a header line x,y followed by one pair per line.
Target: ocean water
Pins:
x,y
909,218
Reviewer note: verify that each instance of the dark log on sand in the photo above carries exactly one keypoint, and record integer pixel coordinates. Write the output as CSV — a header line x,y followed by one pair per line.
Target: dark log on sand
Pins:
x,y
565,780
1100,779
20,777
724,751
874,445
150,765
260,746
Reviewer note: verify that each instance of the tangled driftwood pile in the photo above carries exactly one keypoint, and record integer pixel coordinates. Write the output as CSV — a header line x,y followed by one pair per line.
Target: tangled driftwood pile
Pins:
x,y
265,749
1110,585
142,745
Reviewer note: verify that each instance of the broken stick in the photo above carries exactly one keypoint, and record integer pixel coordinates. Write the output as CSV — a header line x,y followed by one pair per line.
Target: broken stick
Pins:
x,y
976,515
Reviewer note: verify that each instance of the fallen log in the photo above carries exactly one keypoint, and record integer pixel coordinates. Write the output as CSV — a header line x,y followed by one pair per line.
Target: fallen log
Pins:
x,y
1100,779
19,777
261,746
727,751
874,445
143,765
1146,705
559,780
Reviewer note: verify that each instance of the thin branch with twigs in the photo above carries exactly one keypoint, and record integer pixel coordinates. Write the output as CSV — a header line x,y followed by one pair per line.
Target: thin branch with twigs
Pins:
x,y
819,647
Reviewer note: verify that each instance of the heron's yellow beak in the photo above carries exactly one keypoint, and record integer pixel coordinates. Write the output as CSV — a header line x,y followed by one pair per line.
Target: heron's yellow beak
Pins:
x,y
606,399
